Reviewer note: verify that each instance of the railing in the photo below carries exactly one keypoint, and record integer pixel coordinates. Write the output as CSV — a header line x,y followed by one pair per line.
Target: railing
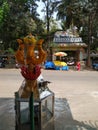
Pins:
x,y
67,40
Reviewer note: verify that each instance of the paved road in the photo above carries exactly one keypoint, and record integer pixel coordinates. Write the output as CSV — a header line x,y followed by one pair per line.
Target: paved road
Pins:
x,y
79,90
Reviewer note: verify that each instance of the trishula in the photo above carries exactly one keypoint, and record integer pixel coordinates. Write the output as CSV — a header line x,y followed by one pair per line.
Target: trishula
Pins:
x,y
29,64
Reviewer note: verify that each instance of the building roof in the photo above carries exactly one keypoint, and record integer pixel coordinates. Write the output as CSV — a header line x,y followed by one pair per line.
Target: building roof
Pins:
x,y
69,37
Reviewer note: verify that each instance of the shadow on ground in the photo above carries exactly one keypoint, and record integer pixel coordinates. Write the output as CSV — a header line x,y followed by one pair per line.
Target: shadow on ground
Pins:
x,y
63,119
7,114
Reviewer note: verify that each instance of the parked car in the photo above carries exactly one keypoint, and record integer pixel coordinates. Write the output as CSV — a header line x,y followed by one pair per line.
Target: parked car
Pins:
x,y
95,65
70,63
2,64
3,61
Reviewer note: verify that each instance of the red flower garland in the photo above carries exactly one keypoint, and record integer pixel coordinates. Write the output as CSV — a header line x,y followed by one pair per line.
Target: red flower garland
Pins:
x,y
30,75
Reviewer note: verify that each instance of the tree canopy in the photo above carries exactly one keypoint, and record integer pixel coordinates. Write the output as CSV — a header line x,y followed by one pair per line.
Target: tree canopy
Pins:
x,y
20,17
17,19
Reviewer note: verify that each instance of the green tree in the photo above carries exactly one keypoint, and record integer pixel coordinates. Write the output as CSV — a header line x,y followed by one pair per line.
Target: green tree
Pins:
x,y
69,13
89,9
4,8
49,9
82,14
20,21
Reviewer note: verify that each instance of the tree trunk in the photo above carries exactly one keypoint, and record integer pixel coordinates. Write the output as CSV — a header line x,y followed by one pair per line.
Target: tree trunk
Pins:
x,y
89,40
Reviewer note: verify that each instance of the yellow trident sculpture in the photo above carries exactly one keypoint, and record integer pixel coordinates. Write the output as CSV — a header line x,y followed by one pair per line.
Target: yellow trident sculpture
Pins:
x,y
29,64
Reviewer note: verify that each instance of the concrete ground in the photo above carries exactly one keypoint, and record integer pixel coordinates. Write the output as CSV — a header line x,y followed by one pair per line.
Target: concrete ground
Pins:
x,y
76,98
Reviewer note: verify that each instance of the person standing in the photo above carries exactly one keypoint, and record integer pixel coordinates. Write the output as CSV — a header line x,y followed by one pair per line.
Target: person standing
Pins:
x,y
78,66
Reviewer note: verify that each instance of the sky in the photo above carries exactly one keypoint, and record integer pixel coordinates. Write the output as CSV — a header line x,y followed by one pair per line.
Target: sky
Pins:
x,y
41,5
